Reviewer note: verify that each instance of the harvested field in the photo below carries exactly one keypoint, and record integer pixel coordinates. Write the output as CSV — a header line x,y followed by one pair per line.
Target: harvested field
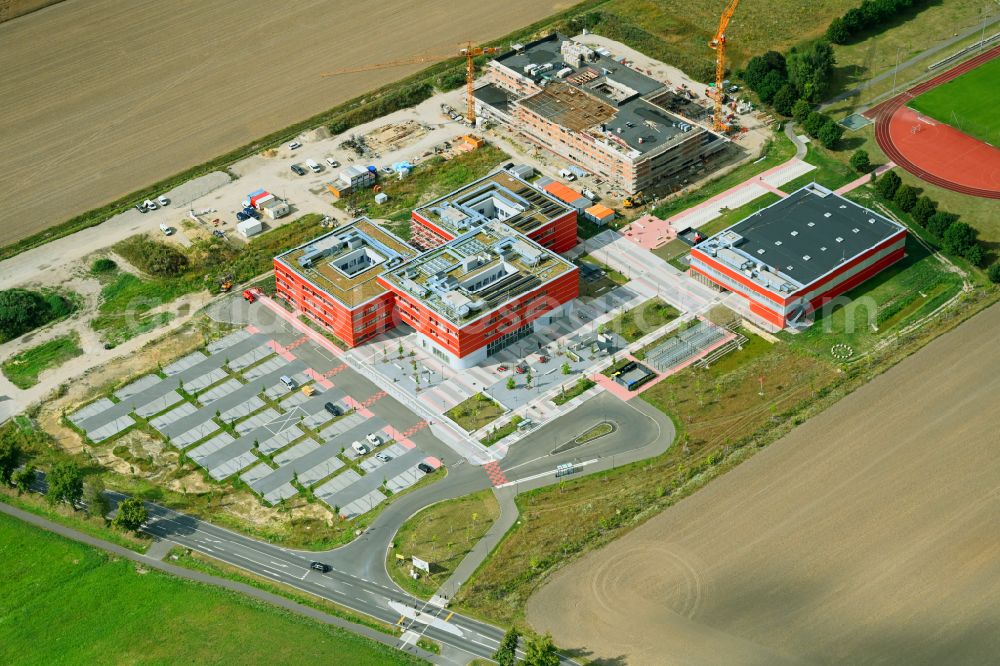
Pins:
x,y
125,94
867,535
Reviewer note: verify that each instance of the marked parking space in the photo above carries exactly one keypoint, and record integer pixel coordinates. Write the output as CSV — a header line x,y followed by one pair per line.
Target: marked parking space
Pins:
x,y
255,473
342,425
321,470
294,400
264,368
178,412
233,466
223,389
138,385
369,465
182,364
283,491
257,420
201,382
363,504
195,434
202,451
110,429
336,484
248,406
90,410
404,480
251,357
281,440
157,405
296,451
228,341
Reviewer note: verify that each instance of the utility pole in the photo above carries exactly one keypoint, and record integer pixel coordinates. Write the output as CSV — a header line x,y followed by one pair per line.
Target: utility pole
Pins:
x,y
895,71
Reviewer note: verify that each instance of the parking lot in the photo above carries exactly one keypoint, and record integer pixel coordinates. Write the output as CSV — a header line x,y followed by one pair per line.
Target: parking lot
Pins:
x,y
230,410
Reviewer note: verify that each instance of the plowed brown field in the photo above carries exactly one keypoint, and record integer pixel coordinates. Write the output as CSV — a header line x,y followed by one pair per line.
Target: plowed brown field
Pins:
x,y
871,534
101,97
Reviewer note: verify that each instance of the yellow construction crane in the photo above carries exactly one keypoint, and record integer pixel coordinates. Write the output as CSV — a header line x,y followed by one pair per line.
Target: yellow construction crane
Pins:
x,y
718,43
469,52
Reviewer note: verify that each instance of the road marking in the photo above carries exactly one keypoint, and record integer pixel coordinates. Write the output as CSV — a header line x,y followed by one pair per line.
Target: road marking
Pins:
x,y
449,616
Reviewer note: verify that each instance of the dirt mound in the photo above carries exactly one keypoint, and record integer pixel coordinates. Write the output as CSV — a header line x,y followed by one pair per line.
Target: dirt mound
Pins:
x,y
868,535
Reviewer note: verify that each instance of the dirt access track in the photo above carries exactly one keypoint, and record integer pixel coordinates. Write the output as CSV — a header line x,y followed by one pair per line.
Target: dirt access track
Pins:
x,y
868,535
102,98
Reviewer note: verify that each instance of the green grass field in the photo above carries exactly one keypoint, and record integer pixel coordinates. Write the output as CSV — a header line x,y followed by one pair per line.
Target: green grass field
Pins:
x,y
23,369
968,103
65,603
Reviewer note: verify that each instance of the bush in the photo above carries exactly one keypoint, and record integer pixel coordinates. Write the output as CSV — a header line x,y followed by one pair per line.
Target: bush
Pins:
x,y
939,223
975,255
905,198
829,134
923,209
152,257
785,99
814,123
22,310
860,161
959,238
994,273
103,265
888,184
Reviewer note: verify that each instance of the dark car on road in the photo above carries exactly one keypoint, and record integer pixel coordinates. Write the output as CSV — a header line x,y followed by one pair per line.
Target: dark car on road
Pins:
x,y
333,409
425,468
298,170
319,566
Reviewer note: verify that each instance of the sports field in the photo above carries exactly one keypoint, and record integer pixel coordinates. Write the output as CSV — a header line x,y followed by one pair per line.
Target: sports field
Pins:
x,y
62,602
868,535
968,103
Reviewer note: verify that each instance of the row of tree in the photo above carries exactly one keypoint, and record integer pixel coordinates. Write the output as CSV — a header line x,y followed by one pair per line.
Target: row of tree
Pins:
x,y
869,14
538,651
65,483
956,237
818,125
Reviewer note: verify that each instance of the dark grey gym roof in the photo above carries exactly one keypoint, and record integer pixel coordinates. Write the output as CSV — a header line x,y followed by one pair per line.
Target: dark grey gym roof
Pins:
x,y
807,234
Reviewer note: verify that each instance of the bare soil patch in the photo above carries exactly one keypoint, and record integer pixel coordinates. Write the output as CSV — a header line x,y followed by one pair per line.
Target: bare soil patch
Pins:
x,y
867,535
125,94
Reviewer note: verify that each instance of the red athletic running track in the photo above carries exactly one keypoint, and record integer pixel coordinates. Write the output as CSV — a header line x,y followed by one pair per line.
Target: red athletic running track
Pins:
x,y
938,153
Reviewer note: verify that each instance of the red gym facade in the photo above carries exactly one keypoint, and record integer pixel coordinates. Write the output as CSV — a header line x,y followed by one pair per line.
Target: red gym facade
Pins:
x,y
793,257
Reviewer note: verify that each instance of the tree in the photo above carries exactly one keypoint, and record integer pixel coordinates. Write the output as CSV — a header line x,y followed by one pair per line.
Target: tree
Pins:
x,y
814,122
837,31
10,453
65,483
923,209
905,198
939,222
506,654
811,70
566,369
131,514
22,478
511,384
994,273
770,86
760,66
784,99
801,110
829,135
94,497
959,238
860,161
975,255
20,311
888,184
540,651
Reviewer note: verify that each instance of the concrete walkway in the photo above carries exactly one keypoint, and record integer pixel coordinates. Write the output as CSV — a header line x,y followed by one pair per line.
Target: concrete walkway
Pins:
x,y
151,561
862,180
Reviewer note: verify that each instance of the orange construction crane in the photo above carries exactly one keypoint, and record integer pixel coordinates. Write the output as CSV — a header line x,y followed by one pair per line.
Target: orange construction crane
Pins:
x,y
469,52
718,43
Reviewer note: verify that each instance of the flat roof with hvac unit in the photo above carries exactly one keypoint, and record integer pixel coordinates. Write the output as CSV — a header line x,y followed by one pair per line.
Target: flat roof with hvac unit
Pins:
x,y
345,262
477,273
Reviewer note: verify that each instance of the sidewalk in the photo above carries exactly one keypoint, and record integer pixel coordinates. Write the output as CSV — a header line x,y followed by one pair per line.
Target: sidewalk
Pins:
x,y
854,184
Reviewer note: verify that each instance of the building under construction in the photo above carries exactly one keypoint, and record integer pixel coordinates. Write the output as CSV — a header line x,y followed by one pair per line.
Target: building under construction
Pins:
x,y
596,112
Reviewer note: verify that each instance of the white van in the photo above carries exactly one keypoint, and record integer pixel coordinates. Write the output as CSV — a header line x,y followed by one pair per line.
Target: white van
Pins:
x,y
314,165
567,174
359,448
289,382
332,162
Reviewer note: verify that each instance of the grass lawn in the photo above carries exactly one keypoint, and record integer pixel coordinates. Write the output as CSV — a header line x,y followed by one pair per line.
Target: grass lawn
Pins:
x,y
475,412
123,614
431,178
442,534
717,411
640,320
126,303
831,170
581,386
496,434
672,250
968,103
23,369
779,149
611,273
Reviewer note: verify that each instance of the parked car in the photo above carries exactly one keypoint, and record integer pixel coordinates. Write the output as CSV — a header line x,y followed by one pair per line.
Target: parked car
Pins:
x,y
249,296
294,145
162,200
387,170
141,208
289,383
359,448
149,205
167,231
320,566
298,170
374,439
309,390
314,166
521,368
425,468
332,162
241,216
333,409
384,457
249,211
